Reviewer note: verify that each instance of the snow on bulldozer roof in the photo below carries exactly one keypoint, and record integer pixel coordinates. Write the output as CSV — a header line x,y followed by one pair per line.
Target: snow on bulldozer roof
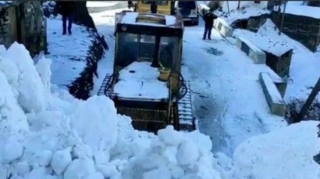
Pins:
x,y
150,19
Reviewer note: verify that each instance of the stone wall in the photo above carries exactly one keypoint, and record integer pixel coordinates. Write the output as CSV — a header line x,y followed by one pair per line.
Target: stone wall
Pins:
x,y
252,23
8,32
304,29
25,24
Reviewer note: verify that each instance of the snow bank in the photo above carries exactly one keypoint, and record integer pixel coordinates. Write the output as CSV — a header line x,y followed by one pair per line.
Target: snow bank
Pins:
x,y
54,136
286,153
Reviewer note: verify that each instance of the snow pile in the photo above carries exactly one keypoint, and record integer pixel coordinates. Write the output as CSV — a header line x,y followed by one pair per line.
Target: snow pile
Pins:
x,y
54,136
286,153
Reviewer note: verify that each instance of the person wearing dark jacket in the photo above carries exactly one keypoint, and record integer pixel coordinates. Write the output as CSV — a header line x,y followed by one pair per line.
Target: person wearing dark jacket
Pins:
x,y
208,20
153,7
130,4
67,10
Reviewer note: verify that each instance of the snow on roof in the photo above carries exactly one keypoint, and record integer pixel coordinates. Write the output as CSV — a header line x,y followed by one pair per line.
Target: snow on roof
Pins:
x,y
266,40
302,10
68,53
46,135
140,80
284,153
252,10
130,18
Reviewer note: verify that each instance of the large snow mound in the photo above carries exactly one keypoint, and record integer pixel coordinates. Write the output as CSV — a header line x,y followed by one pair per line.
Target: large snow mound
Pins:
x,y
286,153
45,135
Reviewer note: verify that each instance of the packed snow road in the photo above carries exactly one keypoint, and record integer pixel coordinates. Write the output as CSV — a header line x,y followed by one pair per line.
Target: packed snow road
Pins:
x,y
228,99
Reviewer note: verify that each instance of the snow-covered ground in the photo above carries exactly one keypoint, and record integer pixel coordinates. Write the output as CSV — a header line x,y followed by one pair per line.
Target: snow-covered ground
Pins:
x,y
47,135
58,137
227,95
68,52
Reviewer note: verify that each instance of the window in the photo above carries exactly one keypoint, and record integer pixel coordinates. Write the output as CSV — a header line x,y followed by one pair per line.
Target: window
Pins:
x,y
146,47
133,47
169,51
127,49
187,4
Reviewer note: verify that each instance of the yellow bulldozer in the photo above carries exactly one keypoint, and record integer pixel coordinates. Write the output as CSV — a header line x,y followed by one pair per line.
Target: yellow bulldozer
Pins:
x,y
146,83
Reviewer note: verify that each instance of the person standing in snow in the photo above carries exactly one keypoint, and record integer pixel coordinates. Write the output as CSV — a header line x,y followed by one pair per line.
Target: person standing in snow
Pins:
x,y
67,10
153,7
208,20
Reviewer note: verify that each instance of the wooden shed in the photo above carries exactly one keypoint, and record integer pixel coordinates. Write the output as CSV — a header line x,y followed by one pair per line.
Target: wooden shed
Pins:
x,y
278,52
23,21
279,62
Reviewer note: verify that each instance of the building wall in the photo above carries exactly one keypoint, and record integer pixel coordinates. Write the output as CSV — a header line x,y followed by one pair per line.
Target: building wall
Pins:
x,y
5,35
304,29
25,24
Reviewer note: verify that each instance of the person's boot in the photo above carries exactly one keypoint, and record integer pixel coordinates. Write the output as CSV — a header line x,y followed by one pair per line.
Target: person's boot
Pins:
x,y
209,38
63,33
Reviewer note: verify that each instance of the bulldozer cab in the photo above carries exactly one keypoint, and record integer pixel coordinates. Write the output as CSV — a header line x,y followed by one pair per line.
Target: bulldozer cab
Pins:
x,y
154,38
164,6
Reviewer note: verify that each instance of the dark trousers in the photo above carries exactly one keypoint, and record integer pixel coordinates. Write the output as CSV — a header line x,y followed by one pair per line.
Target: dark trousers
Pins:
x,y
207,32
65,18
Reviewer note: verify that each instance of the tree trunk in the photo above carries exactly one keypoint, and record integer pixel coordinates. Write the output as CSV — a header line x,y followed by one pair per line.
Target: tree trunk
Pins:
x,y
82,15
238,5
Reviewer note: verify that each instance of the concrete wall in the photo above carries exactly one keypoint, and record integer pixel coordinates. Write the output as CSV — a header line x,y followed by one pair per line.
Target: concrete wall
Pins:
x,y
304,29
23,23
251,50
272,95
223,27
